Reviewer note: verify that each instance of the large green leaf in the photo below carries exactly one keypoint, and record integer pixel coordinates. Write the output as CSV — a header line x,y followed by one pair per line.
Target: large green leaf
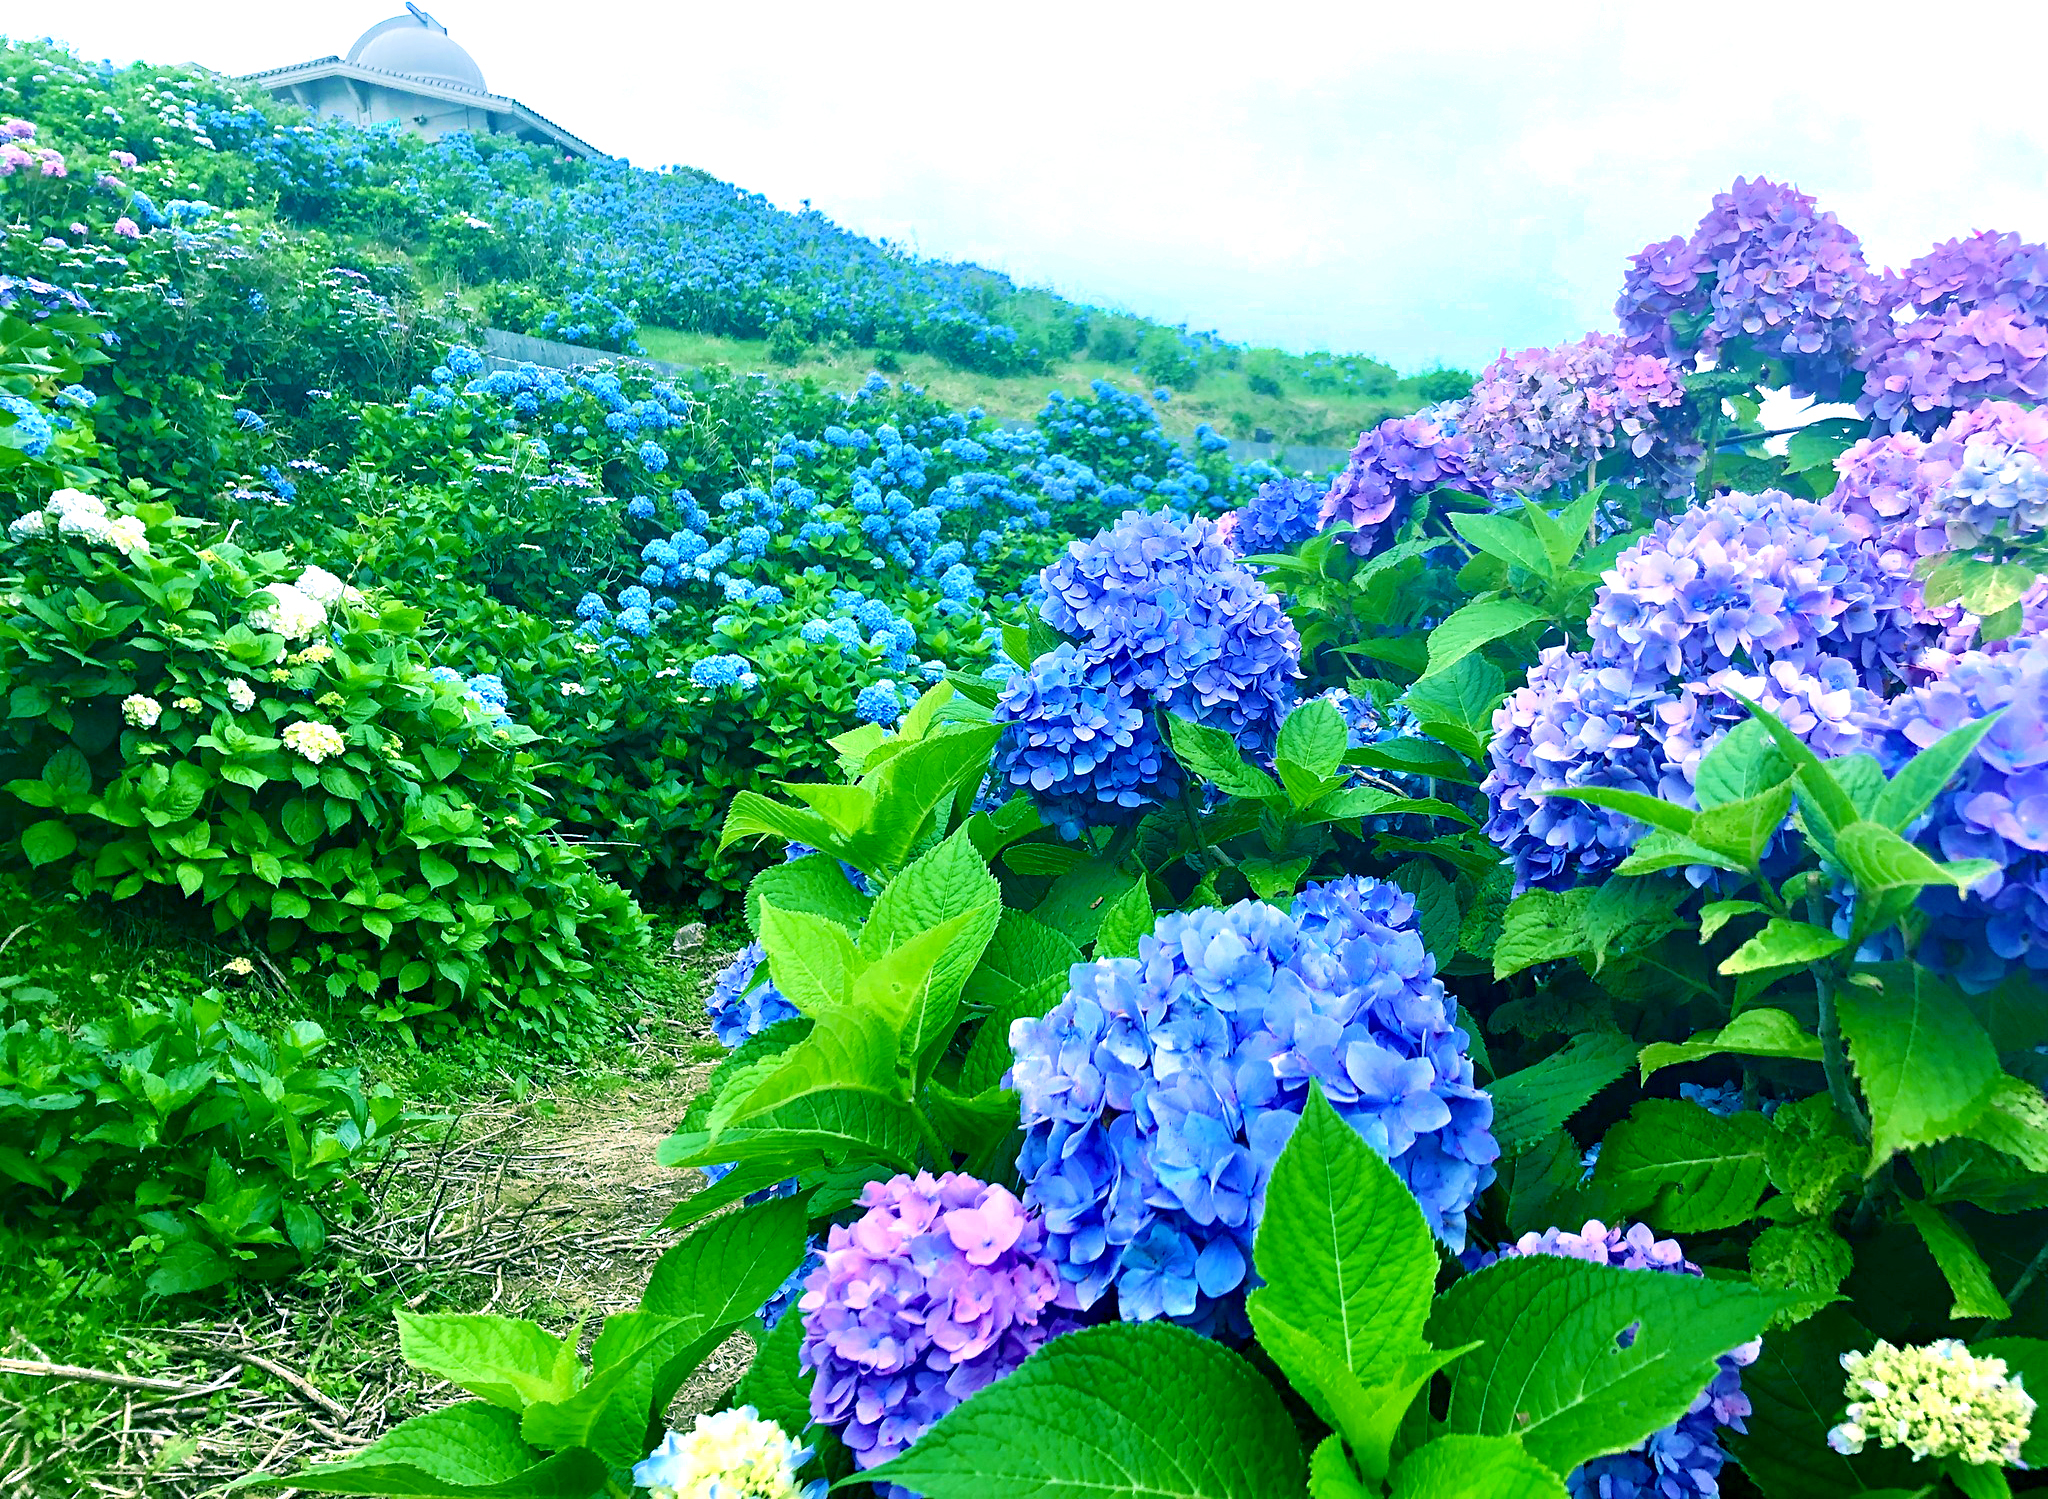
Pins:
x,y
1783,944
1471,1467
1343,1248
1969,1279
775,1384
909,788
1474,626
717,1277
1535,1102
949,887
1214,756
1743,764
1126,921
467,1451
1879,859
609,1415
1926,1066
915,988
851,1050
1134,1411
1916,784
506,1360
1682,1168
814,885
1551,1369
1741,830
810,957
1313,739
1455,706
1753,1033
1507,538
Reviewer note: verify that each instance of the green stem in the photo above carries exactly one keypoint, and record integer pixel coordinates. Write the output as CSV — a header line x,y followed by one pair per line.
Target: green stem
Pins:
x,y
1834,1060
2035,1267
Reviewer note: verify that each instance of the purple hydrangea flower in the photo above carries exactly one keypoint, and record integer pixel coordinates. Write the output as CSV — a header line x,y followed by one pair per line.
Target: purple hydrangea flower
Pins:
x,y
1543,417
1400,459
1284,513
1966,322
1176,618
939,1289
1763,269
1080,742
1743,579
1996,808
1684,1459
1158,1093
738,1007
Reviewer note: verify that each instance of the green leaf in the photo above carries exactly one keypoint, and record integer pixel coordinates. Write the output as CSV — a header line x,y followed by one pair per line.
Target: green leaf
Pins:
x,y
1796,1397
715,1279
1134,1411
1716,914
1125,922
1507,538
1808,1259
48,841
1745,763
1831,801
1741,830
1213,755
1331,1476
1811,1155
1879,859
466,1451
753,815
1313,737
814,885
775,1384
1455,706
1643,808
1783,944
1913,789
811,958
1469,1467
1535,1102
1551,1369
509,1362
915,988
1343,1248
1969,1279
929,928
2015,1121
1753,1033
1681,1168
1474,626
1925,1064
851,1051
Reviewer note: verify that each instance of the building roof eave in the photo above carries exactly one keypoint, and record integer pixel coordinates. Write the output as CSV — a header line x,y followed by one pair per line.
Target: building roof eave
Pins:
x,y
337,67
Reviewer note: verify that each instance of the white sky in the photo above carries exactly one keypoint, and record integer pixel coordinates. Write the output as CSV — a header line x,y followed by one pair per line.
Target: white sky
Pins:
x,y
1429,182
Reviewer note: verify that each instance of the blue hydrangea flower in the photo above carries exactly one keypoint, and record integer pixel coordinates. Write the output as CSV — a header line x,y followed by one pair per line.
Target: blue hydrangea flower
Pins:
x,y
1284,513
1401,459
640,507
653,457
1077,741
739,1007
724,671
30,430
879,703
1158,1094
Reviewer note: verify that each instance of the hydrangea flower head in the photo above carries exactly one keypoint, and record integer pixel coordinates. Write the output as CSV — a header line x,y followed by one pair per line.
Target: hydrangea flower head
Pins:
x,y
1081,743
879,703
738,1007
321,586
1966,322
1158,1093
1939,1400
1284,513
1685,1458
1995,808
940,1288
733,1454
1173,615
141,712
1762,269
313,741
291,613
1541,418
1400,459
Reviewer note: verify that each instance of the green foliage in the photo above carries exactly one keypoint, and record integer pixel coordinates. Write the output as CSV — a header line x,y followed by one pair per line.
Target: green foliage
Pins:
x,y
210,1150
366,825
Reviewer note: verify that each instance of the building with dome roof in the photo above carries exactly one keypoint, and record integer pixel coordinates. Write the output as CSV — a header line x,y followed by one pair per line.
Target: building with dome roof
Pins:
x,y
410,72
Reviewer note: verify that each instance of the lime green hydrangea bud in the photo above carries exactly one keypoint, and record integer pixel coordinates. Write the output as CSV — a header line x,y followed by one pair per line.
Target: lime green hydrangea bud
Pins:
x,y
734,1454
1940,1401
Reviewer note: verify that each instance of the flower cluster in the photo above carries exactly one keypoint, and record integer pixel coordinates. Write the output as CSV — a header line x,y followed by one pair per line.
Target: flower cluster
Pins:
x,y
733,1454
1284,513
74,513
1541,418
737,1006
1763,269
1158,1093
1684,1458
313,741
1939,1400
1966,322
1173,615
141,712
1996,808
1081,744
292,613
940,1288
1401,459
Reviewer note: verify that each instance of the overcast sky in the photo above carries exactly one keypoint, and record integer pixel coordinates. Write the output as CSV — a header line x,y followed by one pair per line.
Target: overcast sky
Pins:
x,y
1428,183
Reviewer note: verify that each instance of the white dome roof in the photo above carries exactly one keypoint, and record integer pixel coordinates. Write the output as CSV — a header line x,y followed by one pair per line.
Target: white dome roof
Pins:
x,y
418,46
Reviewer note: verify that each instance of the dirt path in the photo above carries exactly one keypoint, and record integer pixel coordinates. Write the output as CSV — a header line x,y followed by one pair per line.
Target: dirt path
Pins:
x,y
544,1210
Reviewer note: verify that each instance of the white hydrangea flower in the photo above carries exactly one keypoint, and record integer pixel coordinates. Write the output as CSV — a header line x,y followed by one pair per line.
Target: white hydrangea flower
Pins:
x,y
143,712
24,526
731,1455
79,514
241,696
1937,1401
292,613
321,586
313,741
127,536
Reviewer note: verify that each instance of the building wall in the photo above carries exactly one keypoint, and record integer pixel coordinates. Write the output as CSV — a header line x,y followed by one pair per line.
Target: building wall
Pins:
x,y
375,104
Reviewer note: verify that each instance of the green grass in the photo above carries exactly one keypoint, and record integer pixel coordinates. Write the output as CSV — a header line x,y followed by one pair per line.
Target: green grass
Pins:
x,y
1223,398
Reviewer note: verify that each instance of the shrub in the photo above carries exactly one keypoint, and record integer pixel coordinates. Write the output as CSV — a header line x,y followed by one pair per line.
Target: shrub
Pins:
x,y
214,1151
184,717
787,344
